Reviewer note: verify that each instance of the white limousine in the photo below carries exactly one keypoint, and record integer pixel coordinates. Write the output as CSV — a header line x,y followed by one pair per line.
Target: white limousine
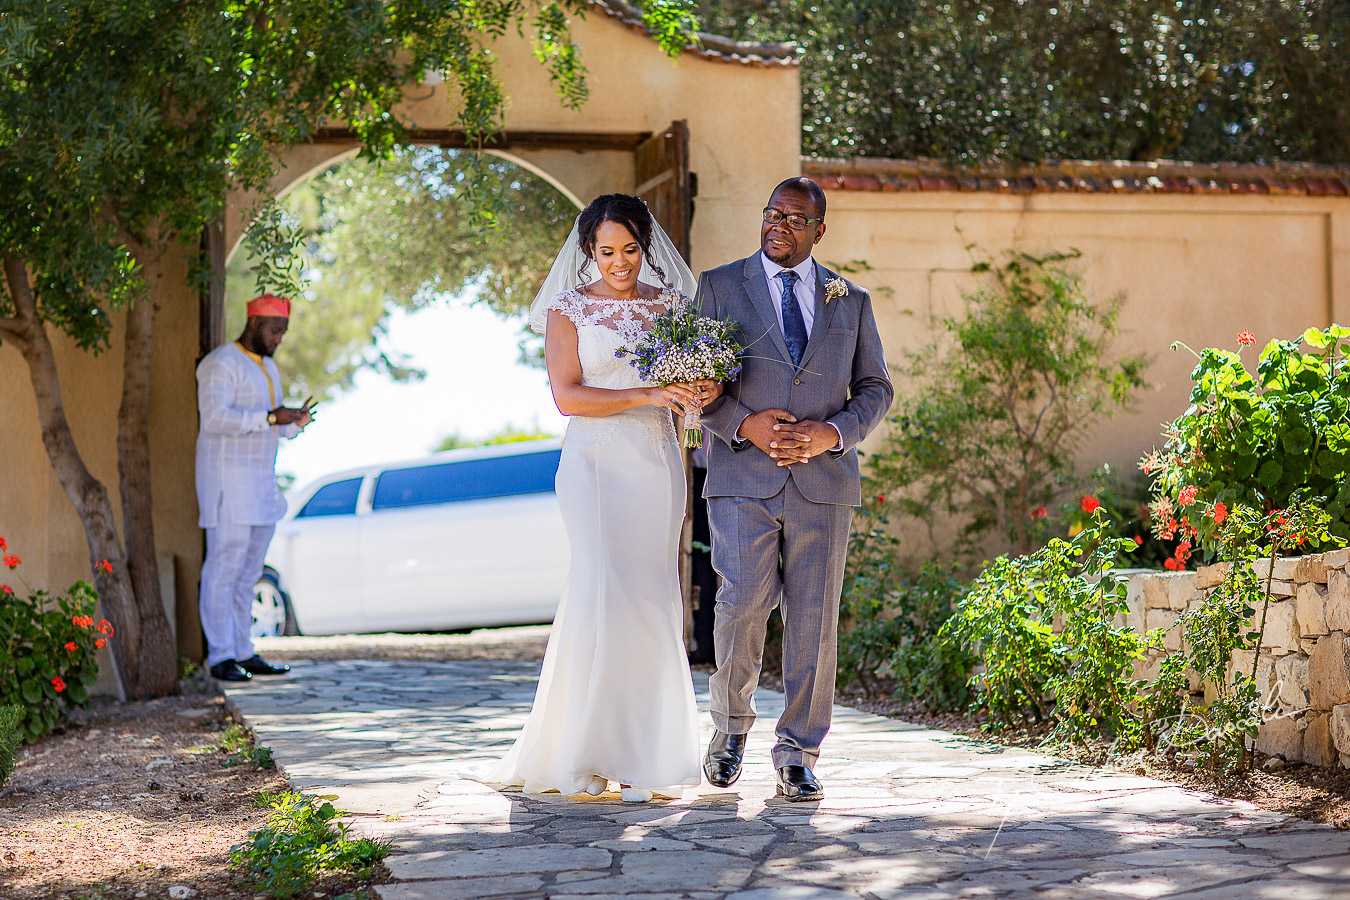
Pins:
x,y
462,539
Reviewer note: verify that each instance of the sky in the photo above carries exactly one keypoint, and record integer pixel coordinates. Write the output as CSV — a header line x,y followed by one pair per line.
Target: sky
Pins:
x,y
475,387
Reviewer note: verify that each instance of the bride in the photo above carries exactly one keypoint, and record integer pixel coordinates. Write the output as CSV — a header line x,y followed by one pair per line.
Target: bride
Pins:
x,y
615,700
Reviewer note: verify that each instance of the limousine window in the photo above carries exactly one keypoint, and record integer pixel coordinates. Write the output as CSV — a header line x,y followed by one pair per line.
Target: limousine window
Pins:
x,y
470,479
336,499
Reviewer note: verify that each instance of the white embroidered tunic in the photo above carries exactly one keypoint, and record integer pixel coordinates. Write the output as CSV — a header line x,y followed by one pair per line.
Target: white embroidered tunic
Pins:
x,y
236,448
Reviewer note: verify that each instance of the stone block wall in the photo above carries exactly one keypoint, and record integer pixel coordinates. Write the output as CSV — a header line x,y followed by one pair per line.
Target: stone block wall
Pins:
x,y
1304,669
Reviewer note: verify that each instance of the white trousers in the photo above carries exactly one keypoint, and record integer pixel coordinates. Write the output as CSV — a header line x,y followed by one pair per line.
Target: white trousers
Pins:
x,y
234,560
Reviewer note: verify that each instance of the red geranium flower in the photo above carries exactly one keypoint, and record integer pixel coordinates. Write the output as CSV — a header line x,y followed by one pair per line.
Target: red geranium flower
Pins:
x,y
1038,513
1138,541
1171,564
1245,337
881,498
1188,495
12,561
3,545
58,684
6,589
1091,504
105,627
83,622
72,646
1218,512
104,565
100,642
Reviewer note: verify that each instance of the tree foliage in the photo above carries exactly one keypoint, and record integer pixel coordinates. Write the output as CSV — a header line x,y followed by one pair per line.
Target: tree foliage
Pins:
x,y
998,404
982,80
398,234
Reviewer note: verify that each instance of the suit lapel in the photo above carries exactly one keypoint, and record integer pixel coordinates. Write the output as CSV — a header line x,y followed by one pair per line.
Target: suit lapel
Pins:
x,y
824,312
757,289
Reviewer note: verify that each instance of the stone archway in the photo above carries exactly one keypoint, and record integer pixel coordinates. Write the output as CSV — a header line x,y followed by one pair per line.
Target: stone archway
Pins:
x,y
657,164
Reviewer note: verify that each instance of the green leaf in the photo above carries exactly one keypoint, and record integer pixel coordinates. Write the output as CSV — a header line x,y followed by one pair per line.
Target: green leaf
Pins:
x,y
1270,473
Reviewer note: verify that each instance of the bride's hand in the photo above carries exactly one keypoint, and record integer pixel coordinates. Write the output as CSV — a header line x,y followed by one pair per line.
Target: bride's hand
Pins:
x,y
706,391
678,397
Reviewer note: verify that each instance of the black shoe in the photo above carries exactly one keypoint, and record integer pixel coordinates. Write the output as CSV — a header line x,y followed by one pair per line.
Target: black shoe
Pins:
x,y
229,670
259,666
722,762
799,784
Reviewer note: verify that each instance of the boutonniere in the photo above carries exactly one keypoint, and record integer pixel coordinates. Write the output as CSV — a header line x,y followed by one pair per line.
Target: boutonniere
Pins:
x,y
835,287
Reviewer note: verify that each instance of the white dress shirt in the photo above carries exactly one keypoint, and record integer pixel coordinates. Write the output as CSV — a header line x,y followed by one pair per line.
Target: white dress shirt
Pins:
x,y
236,448
804,291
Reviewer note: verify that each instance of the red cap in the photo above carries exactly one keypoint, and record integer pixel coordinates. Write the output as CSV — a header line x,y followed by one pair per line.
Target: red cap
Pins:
x,y
270,305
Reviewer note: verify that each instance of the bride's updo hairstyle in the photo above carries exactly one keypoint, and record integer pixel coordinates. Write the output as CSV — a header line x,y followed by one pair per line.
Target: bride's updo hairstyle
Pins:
x,y
626,210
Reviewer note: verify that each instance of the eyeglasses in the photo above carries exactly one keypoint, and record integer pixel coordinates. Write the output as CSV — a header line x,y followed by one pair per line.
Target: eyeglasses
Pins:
x,y
794,221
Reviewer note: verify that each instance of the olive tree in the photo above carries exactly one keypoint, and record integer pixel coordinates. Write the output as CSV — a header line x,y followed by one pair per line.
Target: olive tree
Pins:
x,y
398,233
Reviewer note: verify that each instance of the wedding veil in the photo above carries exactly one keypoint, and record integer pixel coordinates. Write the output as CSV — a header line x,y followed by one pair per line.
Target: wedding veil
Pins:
x,y
571,260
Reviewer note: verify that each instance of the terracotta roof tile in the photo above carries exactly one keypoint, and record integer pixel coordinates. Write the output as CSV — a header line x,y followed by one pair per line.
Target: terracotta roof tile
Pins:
x,y
1106,176
710,46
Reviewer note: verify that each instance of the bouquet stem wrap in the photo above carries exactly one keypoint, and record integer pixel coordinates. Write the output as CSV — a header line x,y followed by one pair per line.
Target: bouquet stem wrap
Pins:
x,y
693,430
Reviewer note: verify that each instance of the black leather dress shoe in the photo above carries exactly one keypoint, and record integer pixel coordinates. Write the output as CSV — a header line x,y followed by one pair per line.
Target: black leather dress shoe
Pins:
x,y
228,670
722,762
799,784
259,666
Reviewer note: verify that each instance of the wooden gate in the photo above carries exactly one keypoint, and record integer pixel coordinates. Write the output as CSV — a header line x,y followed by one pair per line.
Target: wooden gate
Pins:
x,y
665,182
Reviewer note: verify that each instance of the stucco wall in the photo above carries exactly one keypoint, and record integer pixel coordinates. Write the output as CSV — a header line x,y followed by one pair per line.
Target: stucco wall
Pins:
x,y
1192,268
744,124
37,518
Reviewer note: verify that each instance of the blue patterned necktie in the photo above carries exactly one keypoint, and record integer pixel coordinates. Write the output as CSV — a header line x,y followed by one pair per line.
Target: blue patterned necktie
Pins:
x,y
794,326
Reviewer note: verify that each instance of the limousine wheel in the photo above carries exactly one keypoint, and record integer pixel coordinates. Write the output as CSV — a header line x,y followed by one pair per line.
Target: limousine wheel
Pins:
x,y
272,612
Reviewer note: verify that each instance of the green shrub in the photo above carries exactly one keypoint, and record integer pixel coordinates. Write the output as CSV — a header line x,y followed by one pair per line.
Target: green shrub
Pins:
x,y
1119,506
889,620
995,410
47,651
1081,676
302,841
1257,440
11,719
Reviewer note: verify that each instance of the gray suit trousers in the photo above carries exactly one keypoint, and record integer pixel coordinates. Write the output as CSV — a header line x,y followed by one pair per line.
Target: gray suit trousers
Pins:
x,y
781,551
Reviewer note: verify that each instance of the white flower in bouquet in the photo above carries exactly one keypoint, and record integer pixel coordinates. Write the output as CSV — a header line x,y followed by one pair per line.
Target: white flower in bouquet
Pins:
x,y
683,346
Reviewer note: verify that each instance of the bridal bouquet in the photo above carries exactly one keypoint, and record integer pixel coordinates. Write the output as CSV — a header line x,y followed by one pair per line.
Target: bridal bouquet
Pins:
x,y
683,346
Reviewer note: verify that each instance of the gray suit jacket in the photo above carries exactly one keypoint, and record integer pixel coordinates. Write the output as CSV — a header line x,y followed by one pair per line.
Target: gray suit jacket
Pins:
x,y
842,380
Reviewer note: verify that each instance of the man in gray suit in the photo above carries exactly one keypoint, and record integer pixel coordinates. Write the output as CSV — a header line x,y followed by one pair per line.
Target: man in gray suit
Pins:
x,y
783,478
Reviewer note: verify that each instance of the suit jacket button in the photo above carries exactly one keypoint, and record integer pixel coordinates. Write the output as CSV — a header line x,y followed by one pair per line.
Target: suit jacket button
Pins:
x,y
796,381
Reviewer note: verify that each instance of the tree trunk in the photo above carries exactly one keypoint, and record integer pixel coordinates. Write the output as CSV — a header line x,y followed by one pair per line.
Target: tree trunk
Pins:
x,y
157,651
87,494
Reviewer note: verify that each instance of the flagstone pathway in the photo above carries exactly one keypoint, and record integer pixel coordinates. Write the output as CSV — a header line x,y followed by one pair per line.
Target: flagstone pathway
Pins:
x,y
910,813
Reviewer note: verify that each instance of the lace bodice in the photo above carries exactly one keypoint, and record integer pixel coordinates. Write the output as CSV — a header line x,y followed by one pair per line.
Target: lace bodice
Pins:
x,y
606,326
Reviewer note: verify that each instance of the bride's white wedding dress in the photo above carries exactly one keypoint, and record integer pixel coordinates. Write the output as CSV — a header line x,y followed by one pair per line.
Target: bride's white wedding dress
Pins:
x,y
615,697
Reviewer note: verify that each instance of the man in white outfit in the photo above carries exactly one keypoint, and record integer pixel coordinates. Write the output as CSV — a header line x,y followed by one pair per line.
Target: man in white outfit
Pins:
x,y
239,404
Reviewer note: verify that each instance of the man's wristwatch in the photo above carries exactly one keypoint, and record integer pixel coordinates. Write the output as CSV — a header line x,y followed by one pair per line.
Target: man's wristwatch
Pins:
x,y
271,417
